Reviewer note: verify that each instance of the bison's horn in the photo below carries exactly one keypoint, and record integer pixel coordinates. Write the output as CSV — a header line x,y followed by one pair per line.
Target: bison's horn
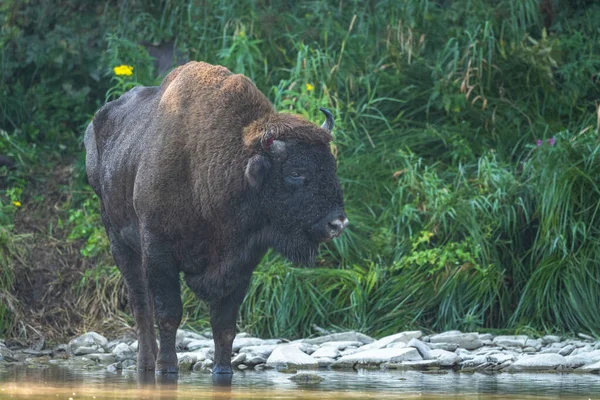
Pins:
x,y
329,122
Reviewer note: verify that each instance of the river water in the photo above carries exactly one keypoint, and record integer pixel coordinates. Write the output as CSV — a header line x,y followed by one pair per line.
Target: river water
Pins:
x,y
68,384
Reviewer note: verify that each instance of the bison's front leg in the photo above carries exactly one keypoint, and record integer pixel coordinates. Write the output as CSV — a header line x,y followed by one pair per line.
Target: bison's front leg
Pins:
x,y
223,315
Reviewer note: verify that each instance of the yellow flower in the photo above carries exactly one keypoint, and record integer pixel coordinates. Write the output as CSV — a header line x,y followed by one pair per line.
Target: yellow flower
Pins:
x,y
17,203
126,70
309,87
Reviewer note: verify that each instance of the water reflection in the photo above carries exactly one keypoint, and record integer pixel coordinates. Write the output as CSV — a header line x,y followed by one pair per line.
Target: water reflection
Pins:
x,y
63,383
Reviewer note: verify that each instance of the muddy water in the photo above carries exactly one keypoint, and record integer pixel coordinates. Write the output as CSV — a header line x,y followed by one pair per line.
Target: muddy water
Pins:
x,y
62,383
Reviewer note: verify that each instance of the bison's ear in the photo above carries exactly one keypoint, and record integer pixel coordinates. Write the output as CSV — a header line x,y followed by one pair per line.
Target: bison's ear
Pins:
x,y
256,170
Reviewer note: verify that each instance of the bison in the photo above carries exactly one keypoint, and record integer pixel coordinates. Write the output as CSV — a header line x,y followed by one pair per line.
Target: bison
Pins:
x,y
200,176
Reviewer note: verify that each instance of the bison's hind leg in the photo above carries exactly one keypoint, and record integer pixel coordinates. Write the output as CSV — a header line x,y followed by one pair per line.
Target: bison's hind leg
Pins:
x,y
163,278
140,299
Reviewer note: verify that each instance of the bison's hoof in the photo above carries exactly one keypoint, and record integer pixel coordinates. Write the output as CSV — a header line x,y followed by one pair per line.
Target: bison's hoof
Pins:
x,y
166,369
222,370
144,368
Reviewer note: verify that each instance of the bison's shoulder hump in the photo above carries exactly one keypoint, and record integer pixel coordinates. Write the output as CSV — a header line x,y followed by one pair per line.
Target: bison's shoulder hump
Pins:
x,y
212,90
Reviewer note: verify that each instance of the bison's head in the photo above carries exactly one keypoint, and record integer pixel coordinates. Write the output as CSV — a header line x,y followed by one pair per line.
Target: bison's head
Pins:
x,y
294,176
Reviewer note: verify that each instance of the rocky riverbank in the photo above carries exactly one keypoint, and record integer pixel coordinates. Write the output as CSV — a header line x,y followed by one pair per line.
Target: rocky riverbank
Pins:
x,y
411,350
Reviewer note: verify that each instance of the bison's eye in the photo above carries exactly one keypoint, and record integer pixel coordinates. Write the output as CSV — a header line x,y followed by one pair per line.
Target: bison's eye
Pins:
x,y
295,179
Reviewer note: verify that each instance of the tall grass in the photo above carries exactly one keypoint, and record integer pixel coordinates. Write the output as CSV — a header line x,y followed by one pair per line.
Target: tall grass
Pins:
x,y
459,220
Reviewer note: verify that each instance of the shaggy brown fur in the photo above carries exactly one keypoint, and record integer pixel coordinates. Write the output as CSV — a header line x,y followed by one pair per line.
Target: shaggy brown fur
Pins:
x,y
202,176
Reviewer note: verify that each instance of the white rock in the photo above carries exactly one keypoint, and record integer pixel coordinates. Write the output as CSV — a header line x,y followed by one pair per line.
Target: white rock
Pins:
x,y
551,350
203,366
262,351
196,344
325,362
595,367
327,352
341,345
184,333
124,352
184,337
378,356
114,343
343,336
535,343
418,365
5,352
468,341
87,342
194,357
403,337
122,348
577,361
594,355
565,351
539,362
350,350
237,360
103,358
291,357
511,341
396,345
186,362
444,346
113,368
461,352
254,360
445,358
90,338
83,350
550,339
202,354
421,347
579,344
474,361
238,342
501,358
304,347
582,350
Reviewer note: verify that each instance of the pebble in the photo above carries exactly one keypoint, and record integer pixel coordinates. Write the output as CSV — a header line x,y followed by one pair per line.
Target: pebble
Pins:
x,y
304,378
468,341
290,356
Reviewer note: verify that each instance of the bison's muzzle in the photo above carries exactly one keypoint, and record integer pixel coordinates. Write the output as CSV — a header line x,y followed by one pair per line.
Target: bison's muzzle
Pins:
x,y
331,226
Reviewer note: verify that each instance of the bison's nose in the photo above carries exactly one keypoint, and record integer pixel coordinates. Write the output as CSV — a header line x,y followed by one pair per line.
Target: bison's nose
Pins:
x,y
337,226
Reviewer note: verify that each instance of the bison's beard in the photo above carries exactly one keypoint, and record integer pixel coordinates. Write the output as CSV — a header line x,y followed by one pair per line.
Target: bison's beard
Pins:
x,y
299,249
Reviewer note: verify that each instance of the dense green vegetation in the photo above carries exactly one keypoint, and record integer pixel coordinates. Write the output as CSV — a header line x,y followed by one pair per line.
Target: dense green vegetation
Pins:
x,y
467,140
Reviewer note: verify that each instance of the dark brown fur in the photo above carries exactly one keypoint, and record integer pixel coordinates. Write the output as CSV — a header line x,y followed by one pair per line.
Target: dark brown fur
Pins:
x,y
188,183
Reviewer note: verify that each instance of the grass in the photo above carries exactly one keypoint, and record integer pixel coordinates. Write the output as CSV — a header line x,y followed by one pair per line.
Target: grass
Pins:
x,y
459,220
